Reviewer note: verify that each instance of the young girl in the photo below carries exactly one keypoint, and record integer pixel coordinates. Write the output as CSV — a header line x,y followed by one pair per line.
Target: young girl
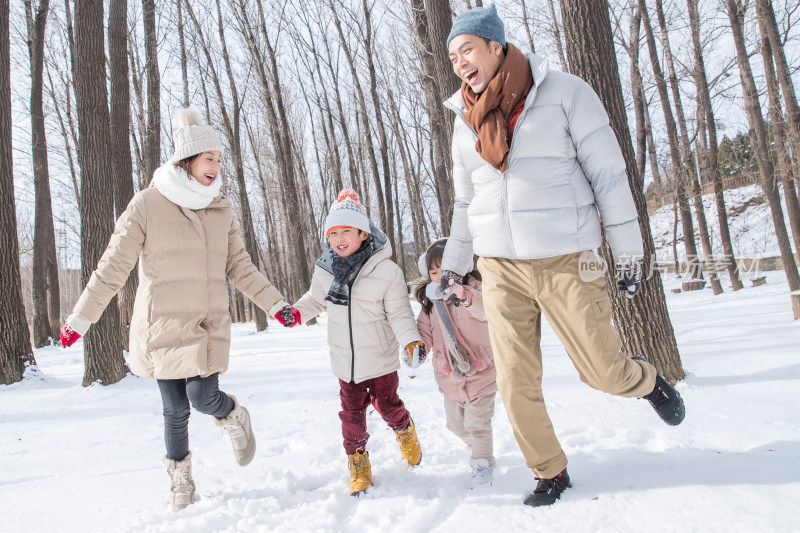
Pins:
x,y
182,231
462,358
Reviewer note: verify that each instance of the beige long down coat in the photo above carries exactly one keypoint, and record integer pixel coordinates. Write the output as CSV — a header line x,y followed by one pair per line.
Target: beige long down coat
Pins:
x,y
365,337
181,325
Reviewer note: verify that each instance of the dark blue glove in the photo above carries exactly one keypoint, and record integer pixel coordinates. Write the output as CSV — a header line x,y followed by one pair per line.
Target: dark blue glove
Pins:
x,y
630,278
443,292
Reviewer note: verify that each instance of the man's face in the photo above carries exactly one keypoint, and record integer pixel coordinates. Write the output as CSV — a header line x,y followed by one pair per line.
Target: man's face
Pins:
x,y
475,61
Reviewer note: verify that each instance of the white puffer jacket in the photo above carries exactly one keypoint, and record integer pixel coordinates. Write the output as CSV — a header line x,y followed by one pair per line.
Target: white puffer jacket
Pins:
x,y
365,337
564,166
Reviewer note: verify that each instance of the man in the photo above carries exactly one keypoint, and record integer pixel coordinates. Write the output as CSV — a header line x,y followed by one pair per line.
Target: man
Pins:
x,y
534,160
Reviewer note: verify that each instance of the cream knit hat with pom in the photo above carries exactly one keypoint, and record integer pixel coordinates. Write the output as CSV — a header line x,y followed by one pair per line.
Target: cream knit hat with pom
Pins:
x,y
192,137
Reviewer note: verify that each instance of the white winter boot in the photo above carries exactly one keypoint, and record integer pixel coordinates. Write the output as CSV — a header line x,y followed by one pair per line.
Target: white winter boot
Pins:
x,y
481,472
237,424
181,484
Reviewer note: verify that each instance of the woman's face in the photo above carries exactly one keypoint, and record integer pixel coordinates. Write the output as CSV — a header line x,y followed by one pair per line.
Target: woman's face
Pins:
x,y
206,166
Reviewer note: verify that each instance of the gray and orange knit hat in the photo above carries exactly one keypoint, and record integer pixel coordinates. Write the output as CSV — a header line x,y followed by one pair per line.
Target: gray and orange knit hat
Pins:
x,y
347,211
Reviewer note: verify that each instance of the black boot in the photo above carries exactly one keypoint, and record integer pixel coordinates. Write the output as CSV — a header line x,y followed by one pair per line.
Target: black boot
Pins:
x,y
547,491
665,399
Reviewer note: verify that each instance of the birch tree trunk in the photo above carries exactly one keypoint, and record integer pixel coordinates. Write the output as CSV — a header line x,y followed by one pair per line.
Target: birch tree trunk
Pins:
x,y
15,345
102,344
643,322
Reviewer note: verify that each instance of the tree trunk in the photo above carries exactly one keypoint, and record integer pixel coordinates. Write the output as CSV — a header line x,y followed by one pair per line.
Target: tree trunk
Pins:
x,y
388,217
557,36
45,289
15,345
643,322
527,25
152,138
432,25
121,163
688,164
760,138
781,146
373,162
709,149
767,14
184,62
679,179
102,347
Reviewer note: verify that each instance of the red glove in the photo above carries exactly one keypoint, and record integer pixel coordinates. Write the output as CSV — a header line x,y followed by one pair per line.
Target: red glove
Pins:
x,y
68,335
288,316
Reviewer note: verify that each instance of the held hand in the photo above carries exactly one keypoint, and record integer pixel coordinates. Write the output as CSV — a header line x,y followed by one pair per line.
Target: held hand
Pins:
x,y
68,335
414,354
444,290
288,316
630,278
458,290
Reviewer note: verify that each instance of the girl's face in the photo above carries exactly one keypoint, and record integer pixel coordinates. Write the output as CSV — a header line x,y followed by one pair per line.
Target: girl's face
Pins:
x,y
206,166
346,240
435,273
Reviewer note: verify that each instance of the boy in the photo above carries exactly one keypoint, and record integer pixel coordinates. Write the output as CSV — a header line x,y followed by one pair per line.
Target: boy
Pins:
x,y
366,297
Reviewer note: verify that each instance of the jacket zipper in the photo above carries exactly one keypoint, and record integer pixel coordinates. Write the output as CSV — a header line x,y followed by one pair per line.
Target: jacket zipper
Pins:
x,y
350,327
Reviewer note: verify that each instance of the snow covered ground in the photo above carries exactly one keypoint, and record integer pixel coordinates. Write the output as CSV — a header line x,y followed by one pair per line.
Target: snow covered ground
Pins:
x,y
75,459
749,219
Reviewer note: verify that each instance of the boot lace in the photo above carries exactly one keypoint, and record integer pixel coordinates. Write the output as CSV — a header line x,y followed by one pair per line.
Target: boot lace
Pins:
x,y
234,427
657,397
547,485
406,439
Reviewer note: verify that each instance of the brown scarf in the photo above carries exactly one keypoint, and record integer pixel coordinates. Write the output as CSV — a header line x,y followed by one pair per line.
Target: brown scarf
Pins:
x,y
487,111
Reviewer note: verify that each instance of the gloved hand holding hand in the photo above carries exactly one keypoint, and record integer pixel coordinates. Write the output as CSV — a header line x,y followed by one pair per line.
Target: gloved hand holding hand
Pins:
x,y
68,335
288,316
630,278
444,291
414,354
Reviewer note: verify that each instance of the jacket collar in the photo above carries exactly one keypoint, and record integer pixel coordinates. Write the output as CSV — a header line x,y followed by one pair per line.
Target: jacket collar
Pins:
x,y
383,249
540,67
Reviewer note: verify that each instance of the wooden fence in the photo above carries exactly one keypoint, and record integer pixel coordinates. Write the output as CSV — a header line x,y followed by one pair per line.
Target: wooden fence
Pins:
x,y
731,182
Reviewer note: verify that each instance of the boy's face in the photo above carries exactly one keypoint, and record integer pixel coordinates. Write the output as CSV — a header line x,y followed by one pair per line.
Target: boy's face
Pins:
x,y
347,240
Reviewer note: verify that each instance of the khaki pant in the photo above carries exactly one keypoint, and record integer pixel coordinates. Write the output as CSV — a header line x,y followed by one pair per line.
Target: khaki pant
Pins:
x,y
515,295
472,423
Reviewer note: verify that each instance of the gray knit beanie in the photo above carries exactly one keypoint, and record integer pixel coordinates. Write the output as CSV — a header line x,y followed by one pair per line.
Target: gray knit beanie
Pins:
x,y
192,137
481,21
347,211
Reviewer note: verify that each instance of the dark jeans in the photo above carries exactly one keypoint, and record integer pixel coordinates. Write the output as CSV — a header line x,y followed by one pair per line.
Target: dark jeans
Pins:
x,y
381,392
176,394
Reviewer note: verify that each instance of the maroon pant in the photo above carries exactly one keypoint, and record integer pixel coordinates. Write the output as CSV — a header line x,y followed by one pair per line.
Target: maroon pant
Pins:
x,y
381,392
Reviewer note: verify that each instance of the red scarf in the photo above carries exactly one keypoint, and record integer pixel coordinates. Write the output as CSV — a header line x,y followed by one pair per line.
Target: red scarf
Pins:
x,y
487,111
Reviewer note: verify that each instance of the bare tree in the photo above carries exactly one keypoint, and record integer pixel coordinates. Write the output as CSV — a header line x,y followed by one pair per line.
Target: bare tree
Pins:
x,y
736,13
15,346
121,163
182,46
674,147
557,35
781,148
102,347
45,290
643,323
688,161
152,139
708,147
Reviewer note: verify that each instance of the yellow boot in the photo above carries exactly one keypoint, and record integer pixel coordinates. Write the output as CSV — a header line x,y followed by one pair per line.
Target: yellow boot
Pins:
x,y
409,444
360,472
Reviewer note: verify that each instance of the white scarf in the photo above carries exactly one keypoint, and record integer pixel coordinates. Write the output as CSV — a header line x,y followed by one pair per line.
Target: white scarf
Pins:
x,y
182,189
